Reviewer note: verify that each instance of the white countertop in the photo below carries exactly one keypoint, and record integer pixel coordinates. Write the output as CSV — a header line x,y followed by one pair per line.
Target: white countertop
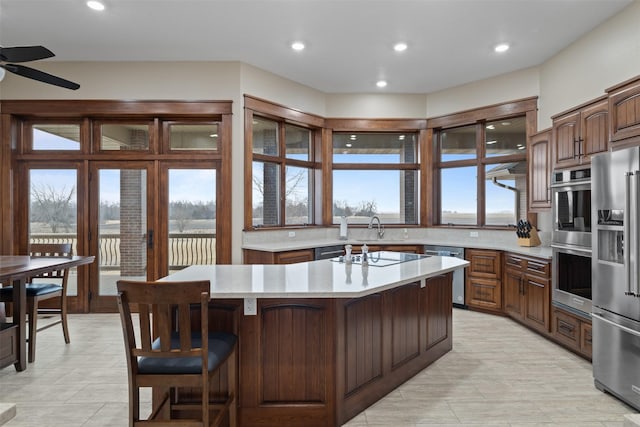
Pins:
x,y
292,244
315,279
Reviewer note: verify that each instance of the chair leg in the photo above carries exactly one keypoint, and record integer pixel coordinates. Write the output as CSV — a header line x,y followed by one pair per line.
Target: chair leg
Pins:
x,y
32,311
63,318
233,386
134,404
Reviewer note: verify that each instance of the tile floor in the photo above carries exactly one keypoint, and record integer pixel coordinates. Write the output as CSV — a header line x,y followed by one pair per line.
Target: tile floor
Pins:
x,y
498,374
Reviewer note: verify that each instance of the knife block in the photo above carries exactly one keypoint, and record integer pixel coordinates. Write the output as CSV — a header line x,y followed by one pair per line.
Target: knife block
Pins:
x,y
534,240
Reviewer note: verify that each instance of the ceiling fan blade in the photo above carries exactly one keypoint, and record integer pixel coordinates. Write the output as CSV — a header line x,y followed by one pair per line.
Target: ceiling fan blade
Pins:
x,y
24,53
41,76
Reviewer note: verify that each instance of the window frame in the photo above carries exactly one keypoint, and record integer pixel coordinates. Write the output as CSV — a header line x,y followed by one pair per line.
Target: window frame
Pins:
x,y
283,116
526,108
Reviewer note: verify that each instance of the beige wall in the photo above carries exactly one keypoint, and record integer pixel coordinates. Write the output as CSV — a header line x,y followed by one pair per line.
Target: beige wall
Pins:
x,y
604,57
608,55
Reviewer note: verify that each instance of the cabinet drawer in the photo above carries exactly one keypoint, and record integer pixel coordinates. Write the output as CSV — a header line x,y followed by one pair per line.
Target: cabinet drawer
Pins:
x,y
539,267
483,293
566,328
514,261
485,264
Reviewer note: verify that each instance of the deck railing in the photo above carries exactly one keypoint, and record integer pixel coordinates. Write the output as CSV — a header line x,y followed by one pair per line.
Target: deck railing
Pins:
x,y
184,248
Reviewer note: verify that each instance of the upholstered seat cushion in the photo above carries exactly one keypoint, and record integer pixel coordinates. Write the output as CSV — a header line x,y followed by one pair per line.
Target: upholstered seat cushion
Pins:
x,y
34,289
220,346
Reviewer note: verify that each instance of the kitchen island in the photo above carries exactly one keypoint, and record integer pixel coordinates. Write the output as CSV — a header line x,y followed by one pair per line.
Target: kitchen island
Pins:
x,y
321,341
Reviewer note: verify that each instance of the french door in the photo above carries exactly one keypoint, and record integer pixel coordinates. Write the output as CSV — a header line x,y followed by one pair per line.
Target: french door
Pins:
x,y
123,219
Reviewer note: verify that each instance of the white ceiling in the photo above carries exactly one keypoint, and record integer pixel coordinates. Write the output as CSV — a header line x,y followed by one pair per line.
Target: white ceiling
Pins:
x,y
349,42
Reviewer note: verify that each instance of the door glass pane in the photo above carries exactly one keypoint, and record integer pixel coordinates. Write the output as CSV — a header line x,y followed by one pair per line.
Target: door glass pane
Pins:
x,y
124,137
122,227
194,137
192,217
459,196
56,137
53,211
505,193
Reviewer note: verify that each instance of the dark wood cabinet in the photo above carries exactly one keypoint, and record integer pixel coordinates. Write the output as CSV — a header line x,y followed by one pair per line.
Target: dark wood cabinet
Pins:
x,y
539,155
285,257
527,290
579,133
572,330
483,283
624,108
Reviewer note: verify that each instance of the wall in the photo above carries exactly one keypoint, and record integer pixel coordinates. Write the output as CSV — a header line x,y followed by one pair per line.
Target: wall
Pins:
x,y
608,55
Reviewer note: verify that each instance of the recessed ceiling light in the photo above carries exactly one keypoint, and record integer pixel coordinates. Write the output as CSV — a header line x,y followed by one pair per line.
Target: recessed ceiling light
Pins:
x,y
381,83
491,127
502,47
297,46
213,135
491,142
95,5
401,137
505,123
353,137
348,145
400,47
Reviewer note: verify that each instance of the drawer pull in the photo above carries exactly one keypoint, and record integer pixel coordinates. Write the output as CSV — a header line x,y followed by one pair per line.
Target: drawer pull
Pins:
x,y
564,326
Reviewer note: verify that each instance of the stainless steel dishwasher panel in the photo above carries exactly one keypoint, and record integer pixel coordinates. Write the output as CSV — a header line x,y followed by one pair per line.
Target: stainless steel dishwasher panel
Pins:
x,y
458,275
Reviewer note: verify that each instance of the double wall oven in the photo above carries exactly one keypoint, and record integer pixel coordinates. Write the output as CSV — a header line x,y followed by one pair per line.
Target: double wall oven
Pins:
x,y
571,239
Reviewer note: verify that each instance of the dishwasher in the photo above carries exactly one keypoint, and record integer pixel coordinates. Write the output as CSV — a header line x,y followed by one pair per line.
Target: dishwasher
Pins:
x,y
458,275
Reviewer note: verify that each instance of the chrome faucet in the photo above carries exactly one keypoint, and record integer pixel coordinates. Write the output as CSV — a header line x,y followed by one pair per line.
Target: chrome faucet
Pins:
x,y
380,226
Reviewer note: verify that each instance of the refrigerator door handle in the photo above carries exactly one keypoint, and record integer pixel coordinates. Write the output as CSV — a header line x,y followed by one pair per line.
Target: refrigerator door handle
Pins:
x,y
633,235
627,234
617,325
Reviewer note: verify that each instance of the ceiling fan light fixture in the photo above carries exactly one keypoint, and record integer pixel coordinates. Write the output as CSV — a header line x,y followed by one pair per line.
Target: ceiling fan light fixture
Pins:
x,y
95,5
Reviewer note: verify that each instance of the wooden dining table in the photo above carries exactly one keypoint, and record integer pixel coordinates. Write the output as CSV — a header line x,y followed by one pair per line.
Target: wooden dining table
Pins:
x,y
16,270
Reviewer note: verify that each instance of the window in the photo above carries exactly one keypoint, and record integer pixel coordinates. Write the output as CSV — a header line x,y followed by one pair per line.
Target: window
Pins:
x,y
481,170
375,174
282,173
56,137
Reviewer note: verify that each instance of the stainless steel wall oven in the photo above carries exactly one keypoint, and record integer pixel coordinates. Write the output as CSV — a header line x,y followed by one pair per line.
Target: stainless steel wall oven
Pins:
x,y
571,239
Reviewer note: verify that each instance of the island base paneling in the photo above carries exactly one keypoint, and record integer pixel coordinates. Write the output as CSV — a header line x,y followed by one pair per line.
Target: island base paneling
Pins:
x,y
320,362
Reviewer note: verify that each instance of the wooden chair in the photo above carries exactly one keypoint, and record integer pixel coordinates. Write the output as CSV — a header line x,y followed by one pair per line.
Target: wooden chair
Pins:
x,y
53,286
179,357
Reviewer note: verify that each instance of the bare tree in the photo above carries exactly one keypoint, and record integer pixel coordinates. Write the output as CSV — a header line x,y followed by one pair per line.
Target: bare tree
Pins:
x,y
52,206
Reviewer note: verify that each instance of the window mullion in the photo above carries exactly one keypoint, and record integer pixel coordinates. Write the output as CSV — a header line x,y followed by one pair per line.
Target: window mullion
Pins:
x,y
481,153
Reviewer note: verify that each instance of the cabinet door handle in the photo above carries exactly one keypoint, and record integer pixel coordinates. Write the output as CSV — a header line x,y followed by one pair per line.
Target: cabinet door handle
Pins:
x,y
564,326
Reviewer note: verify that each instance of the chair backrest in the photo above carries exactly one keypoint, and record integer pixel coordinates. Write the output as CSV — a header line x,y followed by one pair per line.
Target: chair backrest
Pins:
x,y
171,310
41,250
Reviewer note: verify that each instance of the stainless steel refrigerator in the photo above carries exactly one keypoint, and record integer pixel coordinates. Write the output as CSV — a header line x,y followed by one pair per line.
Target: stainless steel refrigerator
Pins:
x,y
615,220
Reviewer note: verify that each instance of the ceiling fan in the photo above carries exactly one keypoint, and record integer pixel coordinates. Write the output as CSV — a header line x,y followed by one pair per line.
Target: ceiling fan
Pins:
x,y
8,55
